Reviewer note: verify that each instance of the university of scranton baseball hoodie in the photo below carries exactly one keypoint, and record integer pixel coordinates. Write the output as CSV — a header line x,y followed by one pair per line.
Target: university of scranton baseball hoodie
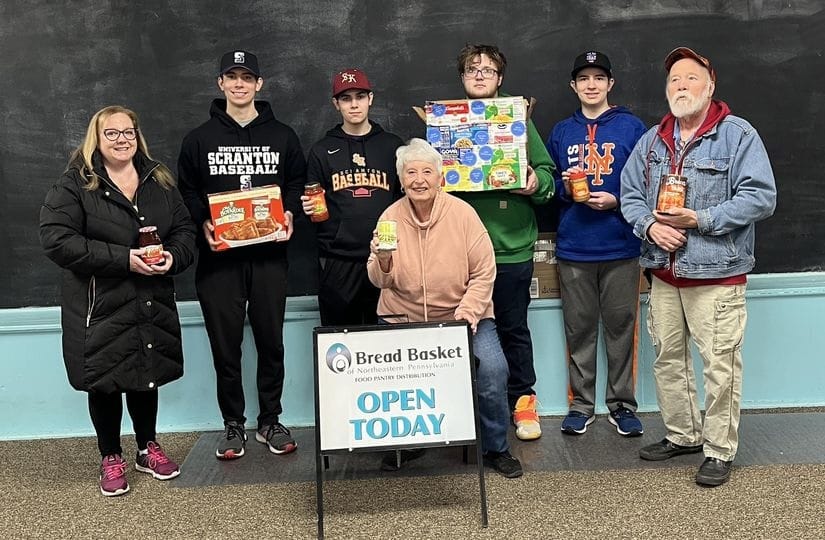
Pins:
x,y
221,155
360,178
600,147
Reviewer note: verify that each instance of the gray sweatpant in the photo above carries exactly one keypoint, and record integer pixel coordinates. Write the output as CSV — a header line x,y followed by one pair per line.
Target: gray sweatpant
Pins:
x,y
606,291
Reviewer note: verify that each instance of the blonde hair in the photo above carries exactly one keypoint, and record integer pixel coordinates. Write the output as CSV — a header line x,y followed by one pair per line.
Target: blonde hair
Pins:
x,y
416,150
81,158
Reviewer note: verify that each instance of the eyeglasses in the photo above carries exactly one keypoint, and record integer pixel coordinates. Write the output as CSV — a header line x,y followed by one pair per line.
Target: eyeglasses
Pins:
x,y
113,134
487,73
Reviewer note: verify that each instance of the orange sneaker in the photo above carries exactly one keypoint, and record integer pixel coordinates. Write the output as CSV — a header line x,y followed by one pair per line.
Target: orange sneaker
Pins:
x,y
526,418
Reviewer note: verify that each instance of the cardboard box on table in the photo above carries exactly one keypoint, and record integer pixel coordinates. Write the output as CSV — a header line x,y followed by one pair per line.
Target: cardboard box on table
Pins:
x,y
252,216
483,142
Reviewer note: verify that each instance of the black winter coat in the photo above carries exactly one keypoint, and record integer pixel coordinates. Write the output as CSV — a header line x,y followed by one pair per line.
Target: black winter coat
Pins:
x,y
120,329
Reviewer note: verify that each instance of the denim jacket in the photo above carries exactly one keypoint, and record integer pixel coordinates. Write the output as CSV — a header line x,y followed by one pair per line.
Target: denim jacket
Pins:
x,y
730,185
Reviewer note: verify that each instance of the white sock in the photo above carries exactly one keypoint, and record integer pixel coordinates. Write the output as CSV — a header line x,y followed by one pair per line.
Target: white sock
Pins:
x,y
143,452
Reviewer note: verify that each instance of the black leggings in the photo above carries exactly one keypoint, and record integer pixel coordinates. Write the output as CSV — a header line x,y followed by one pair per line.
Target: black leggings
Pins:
x,y
106,411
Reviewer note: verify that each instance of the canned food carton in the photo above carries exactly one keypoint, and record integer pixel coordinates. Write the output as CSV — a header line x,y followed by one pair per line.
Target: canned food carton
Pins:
x,y
483,142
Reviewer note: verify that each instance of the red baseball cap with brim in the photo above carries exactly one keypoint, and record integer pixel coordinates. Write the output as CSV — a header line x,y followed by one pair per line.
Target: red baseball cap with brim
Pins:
x,y
683,52
350,79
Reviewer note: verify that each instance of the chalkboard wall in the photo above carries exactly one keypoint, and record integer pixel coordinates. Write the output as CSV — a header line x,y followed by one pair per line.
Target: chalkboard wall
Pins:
x,y
62,61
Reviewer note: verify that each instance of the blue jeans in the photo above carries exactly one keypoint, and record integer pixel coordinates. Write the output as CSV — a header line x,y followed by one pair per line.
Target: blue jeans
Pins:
x,y
511,298
491,387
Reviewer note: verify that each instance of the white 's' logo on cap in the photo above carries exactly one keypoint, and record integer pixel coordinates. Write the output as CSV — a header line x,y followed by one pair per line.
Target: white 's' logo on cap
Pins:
x,y
591,57
239,57
348,77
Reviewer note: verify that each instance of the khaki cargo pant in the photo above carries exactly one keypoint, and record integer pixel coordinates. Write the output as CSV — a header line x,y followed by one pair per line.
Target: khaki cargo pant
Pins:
x,y
714,316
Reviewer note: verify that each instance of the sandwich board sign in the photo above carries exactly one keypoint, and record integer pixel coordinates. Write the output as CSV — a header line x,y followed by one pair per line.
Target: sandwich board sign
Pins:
x,y
393,387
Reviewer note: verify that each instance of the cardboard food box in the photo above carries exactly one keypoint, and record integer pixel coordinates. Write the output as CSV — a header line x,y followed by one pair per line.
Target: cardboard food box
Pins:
x,y
482,142
252,216
545,283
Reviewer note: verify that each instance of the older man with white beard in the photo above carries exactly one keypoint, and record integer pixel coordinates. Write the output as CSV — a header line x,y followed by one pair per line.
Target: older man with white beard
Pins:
x,y
699,255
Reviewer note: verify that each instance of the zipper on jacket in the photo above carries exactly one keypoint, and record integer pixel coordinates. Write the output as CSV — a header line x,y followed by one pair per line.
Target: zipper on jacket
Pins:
x,y
134,203
90,298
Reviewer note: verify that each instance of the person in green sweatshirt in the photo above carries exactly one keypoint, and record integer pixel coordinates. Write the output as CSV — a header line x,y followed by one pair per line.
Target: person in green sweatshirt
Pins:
x,y
510,220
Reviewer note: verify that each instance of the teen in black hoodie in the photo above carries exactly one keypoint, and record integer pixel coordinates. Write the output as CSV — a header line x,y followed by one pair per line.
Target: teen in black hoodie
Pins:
x,y
355,165
240,147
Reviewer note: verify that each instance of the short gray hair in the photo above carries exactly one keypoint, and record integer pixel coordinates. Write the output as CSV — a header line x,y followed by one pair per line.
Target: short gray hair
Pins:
x,y
416,150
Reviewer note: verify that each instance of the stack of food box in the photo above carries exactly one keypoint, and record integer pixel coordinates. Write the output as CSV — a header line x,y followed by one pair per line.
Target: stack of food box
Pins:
x,y
545,282
482,142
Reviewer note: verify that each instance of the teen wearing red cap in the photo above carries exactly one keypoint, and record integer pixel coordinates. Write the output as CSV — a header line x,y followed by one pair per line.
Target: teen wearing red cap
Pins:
x,y
355,165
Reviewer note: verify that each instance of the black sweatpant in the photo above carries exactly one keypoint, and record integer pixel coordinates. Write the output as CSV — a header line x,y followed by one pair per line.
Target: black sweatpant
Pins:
x,y
228,290
106,411
346,296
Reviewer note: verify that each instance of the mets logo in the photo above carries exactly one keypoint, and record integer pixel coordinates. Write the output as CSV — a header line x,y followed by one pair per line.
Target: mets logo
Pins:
x,y
338,358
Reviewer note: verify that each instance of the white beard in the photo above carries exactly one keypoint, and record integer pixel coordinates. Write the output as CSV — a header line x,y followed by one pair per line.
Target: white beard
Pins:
x,y
684,104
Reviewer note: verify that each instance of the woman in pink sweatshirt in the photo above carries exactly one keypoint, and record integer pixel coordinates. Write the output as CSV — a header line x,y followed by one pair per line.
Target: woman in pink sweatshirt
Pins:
x,y
443,270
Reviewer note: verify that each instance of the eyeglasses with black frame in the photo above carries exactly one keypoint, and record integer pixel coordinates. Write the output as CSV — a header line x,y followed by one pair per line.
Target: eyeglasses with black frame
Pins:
x,y
114,134
487,73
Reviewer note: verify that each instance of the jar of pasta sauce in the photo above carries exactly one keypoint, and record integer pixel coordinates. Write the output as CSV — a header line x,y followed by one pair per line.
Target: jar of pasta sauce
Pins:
x,y
672,192
150,241
579,187
315,192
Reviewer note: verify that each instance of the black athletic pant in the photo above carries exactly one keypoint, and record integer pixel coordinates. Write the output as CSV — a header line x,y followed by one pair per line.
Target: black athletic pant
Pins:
x,y
228,291
106,411
345,294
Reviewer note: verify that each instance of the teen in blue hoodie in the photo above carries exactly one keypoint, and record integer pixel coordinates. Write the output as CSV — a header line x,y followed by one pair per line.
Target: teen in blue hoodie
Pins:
x,y
596,249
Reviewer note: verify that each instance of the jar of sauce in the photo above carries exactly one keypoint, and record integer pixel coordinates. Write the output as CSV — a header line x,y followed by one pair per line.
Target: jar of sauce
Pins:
x,y
150,240
579,186
672,192
315,192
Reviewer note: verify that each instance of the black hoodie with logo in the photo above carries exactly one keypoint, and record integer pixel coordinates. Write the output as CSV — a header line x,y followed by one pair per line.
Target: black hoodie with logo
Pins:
x,y
221,155
359,176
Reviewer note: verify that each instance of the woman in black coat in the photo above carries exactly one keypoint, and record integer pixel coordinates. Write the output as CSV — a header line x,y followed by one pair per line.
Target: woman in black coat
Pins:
x,y
121,332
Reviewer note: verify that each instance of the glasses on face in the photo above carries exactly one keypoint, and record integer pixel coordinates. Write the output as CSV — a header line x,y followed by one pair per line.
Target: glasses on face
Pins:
x,y
487,73
113,134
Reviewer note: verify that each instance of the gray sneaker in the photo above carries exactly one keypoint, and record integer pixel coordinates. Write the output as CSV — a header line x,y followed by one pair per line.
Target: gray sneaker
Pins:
x,y
233,442
277,438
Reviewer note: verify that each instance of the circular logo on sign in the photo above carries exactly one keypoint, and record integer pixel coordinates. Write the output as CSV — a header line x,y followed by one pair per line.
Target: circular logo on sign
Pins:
x,y
338,358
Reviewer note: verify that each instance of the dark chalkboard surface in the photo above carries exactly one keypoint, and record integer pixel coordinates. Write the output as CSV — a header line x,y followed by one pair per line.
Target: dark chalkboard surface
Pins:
x,y
65,60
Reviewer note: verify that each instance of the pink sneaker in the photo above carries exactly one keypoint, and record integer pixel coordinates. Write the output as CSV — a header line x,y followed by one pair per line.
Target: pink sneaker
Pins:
x,y
156,463
113,476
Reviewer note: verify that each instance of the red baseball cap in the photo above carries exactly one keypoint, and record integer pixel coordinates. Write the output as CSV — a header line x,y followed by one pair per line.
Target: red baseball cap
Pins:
x,y
350,79
683,52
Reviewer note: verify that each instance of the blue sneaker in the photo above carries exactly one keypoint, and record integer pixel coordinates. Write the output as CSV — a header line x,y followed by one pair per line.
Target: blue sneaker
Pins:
x,y
575,423
626,422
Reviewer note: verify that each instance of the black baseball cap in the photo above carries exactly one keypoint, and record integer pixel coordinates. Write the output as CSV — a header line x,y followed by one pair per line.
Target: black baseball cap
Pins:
x,y
240,59
591,59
